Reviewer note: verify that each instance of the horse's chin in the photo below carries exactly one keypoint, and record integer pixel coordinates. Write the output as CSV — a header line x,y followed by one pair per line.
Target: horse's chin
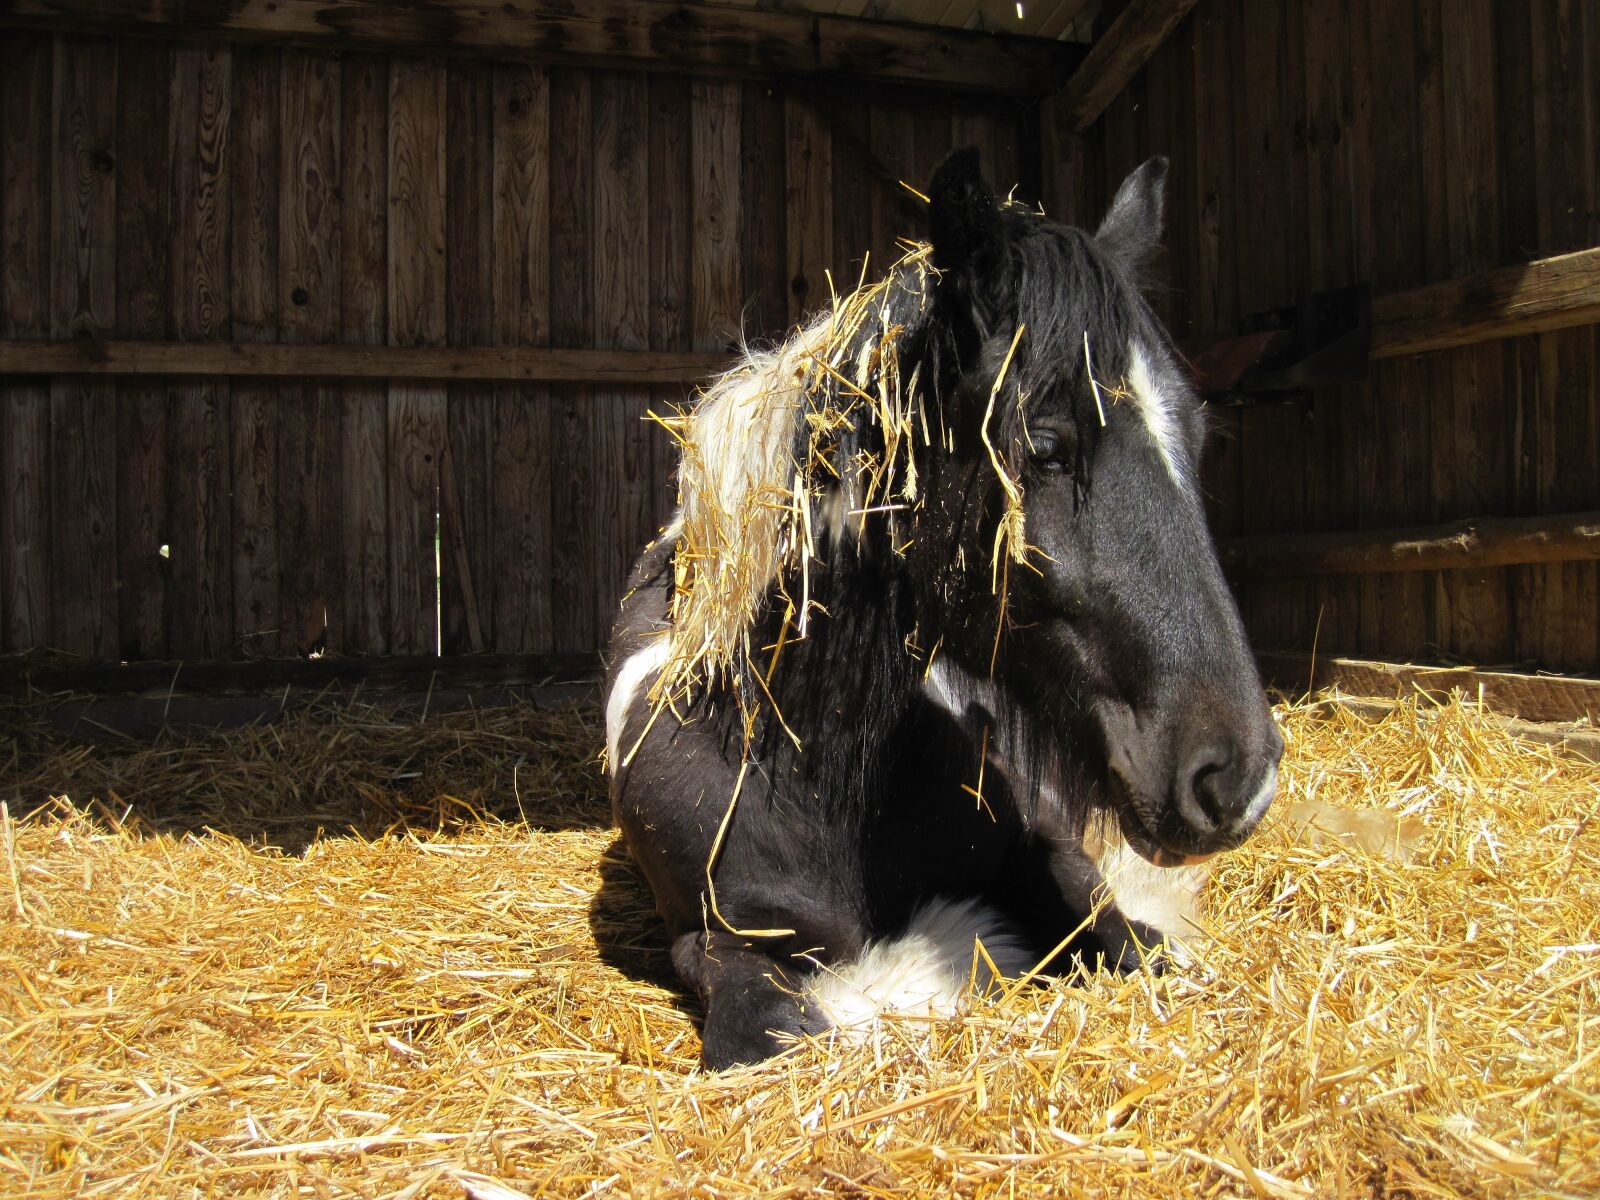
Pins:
x,y
1148,848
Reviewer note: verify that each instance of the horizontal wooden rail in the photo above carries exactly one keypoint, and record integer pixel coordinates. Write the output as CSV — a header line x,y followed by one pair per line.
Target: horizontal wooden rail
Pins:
x,y
1550,293
1484,542
643,34
415,672
284,360
1531,697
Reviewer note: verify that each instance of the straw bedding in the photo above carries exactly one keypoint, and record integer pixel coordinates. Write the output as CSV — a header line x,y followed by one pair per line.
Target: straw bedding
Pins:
x,y
457,988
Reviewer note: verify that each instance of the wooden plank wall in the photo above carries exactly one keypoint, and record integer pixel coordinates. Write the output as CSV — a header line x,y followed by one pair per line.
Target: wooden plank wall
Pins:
x,y
1315,146
189,191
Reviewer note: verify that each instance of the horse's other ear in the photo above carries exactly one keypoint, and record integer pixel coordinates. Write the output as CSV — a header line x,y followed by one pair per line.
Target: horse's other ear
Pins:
x,y
963,218
1132,227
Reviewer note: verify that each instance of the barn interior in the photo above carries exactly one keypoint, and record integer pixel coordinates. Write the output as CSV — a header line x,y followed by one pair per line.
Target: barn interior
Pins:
x,y
331,332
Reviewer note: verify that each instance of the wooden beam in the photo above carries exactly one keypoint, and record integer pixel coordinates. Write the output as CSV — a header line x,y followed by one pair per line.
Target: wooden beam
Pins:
x,y
414,672
1116,57
642,34
1550,293
1531,697
1482,542
284,360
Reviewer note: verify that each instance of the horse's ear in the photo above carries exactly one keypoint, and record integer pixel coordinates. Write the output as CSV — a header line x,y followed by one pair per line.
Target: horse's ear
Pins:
x,y
1132,228
963,219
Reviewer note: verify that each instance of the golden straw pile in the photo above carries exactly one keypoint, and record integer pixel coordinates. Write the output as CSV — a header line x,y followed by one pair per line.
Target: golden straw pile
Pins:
x,y
455,1001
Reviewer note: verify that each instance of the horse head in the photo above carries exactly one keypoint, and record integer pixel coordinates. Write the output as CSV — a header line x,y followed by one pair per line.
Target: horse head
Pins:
x,y
1061,547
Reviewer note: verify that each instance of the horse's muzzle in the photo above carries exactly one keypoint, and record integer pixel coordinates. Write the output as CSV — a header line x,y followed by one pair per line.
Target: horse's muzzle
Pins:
x,y
1187,790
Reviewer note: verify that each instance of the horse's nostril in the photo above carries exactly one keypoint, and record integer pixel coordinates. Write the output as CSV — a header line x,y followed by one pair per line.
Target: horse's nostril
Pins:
x,y
1206,802
1208,793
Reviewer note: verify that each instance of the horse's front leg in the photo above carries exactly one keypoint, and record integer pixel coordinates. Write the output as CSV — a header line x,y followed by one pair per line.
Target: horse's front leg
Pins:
x,y
754,1007
1119,941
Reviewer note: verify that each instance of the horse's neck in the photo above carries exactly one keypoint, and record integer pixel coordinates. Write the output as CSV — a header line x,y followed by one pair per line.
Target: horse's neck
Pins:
x,y
843,688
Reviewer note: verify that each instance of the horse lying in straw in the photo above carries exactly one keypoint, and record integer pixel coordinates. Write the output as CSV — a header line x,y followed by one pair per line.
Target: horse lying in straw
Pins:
x,y
936,648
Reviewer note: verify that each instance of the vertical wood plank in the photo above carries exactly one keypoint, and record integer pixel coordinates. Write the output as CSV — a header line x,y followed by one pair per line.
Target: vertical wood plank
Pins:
x,y
1399,221
931,143
714,139
891,134
619,515
1265,104
417,317
852,181
1215,285
83,519
1471,467
522,450
200,610
144,82
362,627
765,294
1567,474
25,240
254,184
466,534
1330,261
571,324
309,413
808,206
671,210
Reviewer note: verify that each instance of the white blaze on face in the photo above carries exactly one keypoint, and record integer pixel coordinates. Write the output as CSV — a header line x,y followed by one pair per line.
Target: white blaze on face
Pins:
x,y
1158,406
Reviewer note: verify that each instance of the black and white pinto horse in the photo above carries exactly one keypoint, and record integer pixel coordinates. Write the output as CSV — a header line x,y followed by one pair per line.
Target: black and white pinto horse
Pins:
x,y
951,751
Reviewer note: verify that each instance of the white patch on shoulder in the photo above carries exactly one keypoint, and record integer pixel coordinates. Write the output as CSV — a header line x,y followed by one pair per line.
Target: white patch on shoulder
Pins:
x,y
635,671
926,970
1165,898
1156,406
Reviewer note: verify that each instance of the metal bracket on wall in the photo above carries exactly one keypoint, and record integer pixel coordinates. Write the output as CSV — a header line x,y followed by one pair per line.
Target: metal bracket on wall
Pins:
x,y
1283,355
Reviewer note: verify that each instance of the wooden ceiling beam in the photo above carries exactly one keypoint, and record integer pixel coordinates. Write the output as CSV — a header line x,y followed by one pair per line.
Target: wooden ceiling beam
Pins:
x,y
651,35
1115,58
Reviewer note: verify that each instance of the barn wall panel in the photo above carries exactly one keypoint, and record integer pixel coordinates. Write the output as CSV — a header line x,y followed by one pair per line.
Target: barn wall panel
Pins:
x,y
522,451
283,194
310,458
144,207
25,212
1356,141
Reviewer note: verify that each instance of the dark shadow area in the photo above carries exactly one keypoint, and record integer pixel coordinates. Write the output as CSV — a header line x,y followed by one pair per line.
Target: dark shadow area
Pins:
x,y
627,931
314,769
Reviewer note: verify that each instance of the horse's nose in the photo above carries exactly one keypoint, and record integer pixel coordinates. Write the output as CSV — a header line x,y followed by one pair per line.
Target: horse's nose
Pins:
x,y
1222,791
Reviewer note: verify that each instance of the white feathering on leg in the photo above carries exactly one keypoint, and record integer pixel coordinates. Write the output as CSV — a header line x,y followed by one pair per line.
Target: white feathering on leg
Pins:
x,y
923,971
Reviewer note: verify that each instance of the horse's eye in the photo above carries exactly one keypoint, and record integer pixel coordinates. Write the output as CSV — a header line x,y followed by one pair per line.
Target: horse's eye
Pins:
x,y
1050,451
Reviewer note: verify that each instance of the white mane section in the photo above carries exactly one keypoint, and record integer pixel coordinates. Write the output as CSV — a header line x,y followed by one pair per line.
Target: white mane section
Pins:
x,y
758,486
740,487
929,970
1156,405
